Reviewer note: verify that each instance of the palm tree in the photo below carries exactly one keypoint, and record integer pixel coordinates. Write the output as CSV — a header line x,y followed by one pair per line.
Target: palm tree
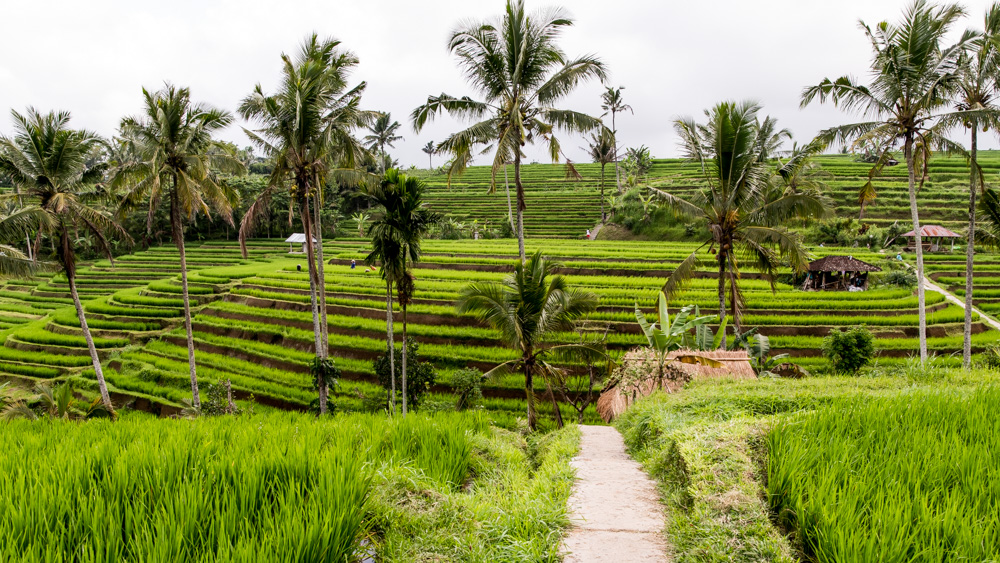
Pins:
x,y
913,78
979,80
306,130
47,161
429,150
612,102
176,159
396,237
513,62
525,308
739,206
383,133
602,150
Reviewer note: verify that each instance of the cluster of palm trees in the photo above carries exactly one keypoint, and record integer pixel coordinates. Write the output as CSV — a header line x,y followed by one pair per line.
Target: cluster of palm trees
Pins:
x,y
63,186
922,89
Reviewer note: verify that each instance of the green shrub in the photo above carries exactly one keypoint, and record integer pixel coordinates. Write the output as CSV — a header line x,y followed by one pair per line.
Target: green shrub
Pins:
x,y
420,375
850,350
468,385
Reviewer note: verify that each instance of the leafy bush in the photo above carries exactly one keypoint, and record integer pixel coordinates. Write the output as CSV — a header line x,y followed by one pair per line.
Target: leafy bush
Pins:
x,y
468,385
420,376
849,351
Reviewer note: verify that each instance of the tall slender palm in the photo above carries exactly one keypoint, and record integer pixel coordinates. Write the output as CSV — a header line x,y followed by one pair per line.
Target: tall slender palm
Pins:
x,y
176,159
979,81
383,133
525,307
306,129
47,161
396,237
513,62
602,151
612,102
429,149
744,214
913,78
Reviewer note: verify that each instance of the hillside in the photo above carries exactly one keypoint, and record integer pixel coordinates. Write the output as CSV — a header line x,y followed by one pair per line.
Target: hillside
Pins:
x,y
559,207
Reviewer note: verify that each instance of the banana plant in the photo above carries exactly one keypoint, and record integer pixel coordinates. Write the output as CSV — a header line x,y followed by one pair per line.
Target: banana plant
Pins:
x,y
763,363
666,335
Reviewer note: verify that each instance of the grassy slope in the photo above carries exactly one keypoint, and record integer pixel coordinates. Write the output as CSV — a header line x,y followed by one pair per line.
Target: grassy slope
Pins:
x,y
706,446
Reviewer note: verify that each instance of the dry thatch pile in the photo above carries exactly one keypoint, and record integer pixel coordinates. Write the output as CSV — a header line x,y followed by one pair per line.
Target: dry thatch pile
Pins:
x,y
638,376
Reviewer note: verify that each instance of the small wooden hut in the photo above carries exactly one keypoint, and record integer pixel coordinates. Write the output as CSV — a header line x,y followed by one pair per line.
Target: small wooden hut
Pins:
x,y
838,273
619,395
298,238
934,238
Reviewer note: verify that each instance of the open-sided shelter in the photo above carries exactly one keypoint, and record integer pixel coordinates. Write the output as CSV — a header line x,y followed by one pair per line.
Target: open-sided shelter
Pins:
x,y
934,238
298,238
838,273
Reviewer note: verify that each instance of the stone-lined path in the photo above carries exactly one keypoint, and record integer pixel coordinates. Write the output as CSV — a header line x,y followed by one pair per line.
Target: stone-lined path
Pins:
x,y
614,507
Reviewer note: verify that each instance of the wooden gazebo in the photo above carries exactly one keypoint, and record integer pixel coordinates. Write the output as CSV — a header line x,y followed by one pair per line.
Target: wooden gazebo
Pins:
x,y
838,273
933,238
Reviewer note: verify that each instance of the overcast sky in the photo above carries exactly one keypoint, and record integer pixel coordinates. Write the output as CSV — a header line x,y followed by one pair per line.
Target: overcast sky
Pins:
x,y
674,58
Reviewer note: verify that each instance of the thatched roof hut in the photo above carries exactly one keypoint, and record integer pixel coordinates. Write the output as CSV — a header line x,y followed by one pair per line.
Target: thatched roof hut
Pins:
x,y
838,273
638,376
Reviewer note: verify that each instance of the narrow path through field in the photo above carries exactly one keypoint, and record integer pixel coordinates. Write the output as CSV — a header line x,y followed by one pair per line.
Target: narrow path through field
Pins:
x,y
614,507
597,229
930,285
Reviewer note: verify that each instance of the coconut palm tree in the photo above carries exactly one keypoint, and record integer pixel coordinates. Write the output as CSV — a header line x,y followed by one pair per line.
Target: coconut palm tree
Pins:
x,y
306,130
742,212
602,151
513,62
914,77
429,150
47,161
979,82
176,160
383,133
525,308
612,102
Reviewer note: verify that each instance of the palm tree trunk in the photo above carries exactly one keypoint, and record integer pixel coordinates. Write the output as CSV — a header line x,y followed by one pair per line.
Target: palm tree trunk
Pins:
x,y
178,231
317,330
321,286
390,345
506,185
921,308
556,413
101,384
970,252
722,295
529,393
404,359
614,136
520,204
603,218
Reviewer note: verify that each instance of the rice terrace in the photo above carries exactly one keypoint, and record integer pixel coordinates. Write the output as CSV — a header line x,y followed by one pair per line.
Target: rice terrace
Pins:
x,y
260,333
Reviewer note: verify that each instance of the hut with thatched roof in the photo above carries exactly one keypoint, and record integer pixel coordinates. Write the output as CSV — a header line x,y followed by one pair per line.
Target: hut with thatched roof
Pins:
x,y
638,376
838,273
934,238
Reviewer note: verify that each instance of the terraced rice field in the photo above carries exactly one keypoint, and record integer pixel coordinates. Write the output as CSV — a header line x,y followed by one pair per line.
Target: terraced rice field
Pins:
x,y
561,207
252,323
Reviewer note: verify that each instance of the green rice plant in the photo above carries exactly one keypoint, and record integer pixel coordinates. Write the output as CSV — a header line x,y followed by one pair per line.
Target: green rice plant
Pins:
x,y
906,478
38,335
13,355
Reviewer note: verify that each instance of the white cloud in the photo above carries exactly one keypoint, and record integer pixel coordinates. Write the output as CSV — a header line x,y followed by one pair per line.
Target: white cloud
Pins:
x,y
675,59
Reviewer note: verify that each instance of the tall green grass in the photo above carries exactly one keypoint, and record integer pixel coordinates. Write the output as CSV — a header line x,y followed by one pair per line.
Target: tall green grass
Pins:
x,y
277,487
911,478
